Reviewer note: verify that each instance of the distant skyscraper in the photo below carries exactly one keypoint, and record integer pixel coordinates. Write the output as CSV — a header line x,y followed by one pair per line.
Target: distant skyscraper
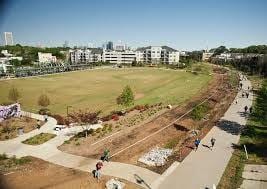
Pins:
x,y
8,38
66,44
110,45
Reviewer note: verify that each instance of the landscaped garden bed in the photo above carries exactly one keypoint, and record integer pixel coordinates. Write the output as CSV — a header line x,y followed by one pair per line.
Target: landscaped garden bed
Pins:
x,y
39,139
9,127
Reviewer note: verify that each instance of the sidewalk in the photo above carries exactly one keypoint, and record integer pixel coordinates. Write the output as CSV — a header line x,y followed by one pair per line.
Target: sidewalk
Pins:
x,y
203,168
49,152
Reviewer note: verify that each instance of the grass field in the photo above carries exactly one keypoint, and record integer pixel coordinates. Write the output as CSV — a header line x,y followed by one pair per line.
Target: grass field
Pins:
x,y
98,89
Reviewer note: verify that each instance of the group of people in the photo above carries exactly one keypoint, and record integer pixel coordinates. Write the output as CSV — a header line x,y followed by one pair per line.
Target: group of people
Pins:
x,y
99,165
212,143
244,94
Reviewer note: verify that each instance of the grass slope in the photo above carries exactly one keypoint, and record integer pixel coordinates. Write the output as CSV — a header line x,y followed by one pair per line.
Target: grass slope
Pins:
x,y
98,89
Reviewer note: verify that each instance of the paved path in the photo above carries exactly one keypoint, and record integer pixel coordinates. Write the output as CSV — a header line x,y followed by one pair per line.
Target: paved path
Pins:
x,y
49,152
255,177
203,168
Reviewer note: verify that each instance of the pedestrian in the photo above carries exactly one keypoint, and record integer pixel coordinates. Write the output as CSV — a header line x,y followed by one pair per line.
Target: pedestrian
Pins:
x,y
243,95
250,109
97,175
241,85
236,101
197,142
248,87
45,118
106,155
246,108
212,141
38,124
247,94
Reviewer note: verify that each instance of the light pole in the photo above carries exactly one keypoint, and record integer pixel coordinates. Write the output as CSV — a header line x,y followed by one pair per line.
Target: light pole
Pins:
x,y
68,110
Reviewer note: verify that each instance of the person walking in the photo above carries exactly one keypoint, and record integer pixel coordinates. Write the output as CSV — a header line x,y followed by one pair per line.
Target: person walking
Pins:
x,y
197,142
106,155
241,85
250,109
38,124
247,94
246,109
97,175
212,141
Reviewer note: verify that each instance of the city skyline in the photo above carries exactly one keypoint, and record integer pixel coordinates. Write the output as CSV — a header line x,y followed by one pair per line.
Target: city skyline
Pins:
x,y
182,25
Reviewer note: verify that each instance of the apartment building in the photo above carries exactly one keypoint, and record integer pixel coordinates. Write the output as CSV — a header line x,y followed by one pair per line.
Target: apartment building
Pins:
x,y
46,58
151,55
79,56
157,55
119,57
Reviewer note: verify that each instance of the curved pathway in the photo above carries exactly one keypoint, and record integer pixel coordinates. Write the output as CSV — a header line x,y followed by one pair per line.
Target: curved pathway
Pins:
x,y
49,152
203,169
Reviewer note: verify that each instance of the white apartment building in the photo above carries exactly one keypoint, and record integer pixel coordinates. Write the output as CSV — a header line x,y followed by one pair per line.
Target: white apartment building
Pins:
x,y
118,57
206,56
8,38
79,56
46,58
158,54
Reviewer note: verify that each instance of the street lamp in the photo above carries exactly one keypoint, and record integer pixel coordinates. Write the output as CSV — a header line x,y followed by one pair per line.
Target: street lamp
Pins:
x,y
68,110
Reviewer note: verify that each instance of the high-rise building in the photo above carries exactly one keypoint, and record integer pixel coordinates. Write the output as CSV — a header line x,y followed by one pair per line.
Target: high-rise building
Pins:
x,y
66,44
8,38
109,46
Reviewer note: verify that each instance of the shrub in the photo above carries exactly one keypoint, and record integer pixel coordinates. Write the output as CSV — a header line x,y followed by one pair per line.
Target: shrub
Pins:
x,y
199,112
43,100
126,98
115,117
13,94
60,119
3,156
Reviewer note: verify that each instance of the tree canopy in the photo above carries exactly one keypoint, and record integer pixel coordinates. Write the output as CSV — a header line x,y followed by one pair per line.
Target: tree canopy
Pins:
x,y
127,97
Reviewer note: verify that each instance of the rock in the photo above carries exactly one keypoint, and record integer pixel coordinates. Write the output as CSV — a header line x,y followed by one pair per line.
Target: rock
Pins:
x,y
156,157
169,106
114,184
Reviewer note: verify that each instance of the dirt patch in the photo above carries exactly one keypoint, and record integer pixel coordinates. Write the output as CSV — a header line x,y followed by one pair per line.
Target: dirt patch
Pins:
x,y
9,127
138,96
180,139
41,174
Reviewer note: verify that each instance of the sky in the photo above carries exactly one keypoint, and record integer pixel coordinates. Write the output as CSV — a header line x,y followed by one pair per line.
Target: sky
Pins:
x,y
181,24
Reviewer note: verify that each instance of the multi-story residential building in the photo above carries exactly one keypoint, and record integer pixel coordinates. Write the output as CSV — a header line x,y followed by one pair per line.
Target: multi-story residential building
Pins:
x,y
118,57
158,54
85,55
206,56
46,58
154,54
8,38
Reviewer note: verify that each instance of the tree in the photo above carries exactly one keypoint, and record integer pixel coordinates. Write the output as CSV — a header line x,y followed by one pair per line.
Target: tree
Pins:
x,y
15,62
13,94
220,50
43,100
127,97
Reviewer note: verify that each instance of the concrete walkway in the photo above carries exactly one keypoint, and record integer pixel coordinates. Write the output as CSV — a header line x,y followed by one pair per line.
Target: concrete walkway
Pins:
x,y
203,169
49,152
255,177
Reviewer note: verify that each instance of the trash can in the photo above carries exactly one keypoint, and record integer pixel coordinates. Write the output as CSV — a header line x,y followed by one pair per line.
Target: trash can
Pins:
x,y
20,131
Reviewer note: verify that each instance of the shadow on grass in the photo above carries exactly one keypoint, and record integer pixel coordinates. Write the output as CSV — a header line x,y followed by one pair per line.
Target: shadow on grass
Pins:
x,y
230,127
259,149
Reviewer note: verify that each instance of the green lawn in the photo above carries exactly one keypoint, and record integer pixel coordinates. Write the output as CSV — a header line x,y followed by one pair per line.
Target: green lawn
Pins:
x,y
98,89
